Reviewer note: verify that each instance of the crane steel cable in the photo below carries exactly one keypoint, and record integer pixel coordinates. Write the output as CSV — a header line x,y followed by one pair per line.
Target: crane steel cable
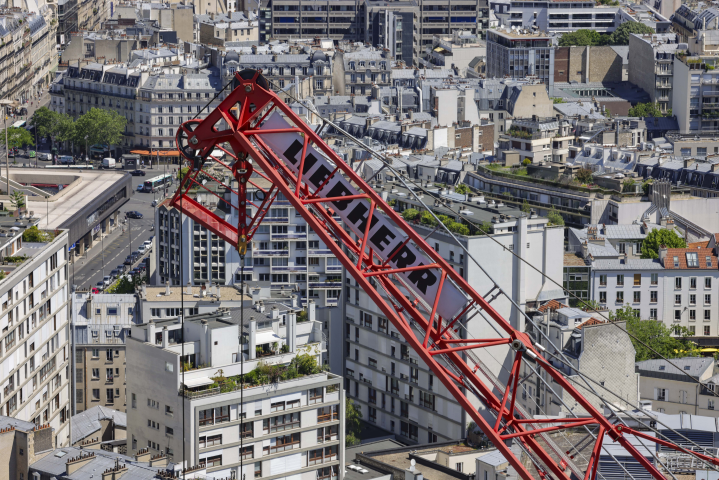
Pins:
x,y
401,176
470,221
403,303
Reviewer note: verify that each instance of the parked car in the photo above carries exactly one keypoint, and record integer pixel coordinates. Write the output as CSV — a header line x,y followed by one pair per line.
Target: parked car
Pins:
x,y
148,245
142,249
135,255
107,280
142,267
137,173
121,268
154,203
129,260
115,273
66,160
100,286
95,290
133,214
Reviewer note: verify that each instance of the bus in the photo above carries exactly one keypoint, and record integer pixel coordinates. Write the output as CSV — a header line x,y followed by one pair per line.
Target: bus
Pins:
x,y
19,124
157,182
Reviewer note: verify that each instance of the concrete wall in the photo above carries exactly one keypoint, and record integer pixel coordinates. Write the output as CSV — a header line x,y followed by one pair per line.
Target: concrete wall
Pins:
x,y
533,101
681,89
641,66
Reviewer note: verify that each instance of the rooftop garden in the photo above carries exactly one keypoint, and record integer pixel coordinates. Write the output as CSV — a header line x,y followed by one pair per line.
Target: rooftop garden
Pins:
x,y
263,374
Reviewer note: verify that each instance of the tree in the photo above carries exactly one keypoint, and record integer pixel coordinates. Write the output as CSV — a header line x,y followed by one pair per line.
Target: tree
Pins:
x,y
182,172
44,121
661,236
64,129
525,206
353,424
485,228
427,219
302,316
649,335
17,199
125,284
457,227
17,137
584,175
620,36
648,109
526,162
410,214
628,185
583,37
35,235
554,217
462,188
99,127
590,305
305,364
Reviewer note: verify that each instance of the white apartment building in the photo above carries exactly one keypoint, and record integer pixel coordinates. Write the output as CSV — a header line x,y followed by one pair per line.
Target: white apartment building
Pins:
x,y
34,346
100,327
394,389
292,427
671,391
681,288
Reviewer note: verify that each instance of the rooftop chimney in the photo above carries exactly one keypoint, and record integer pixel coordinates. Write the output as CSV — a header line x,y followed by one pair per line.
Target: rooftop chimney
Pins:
x,y
662,253
189,288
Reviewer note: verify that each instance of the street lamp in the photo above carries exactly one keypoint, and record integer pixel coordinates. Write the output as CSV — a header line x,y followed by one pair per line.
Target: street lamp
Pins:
x,y
86,157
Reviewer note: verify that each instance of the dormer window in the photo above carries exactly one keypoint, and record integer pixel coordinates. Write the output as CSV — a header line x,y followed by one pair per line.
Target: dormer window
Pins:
x,y
692,260
676,261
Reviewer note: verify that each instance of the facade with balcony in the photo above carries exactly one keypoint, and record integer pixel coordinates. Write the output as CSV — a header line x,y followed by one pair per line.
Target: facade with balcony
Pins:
x,y
34,345
652,60
288,420
695,93
394,389
539,140
514,54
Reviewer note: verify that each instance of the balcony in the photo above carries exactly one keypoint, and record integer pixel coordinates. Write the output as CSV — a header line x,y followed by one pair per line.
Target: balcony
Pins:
x,y
319,252
270,253
276,220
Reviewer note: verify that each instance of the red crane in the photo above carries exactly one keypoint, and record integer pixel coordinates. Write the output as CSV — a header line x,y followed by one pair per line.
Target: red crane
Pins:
x,y
422,291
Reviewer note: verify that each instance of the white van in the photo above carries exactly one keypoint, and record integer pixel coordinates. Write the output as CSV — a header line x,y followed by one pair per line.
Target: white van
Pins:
x,y
108,162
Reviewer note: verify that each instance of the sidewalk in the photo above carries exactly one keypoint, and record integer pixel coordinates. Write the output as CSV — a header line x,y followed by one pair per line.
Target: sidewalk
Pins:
x,y
96,248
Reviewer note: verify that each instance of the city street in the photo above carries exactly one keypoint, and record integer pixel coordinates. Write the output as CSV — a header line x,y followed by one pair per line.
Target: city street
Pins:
x,y
88,269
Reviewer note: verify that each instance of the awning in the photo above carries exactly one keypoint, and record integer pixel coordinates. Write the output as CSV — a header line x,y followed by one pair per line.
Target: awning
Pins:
x,y
266,337
161,153
198,382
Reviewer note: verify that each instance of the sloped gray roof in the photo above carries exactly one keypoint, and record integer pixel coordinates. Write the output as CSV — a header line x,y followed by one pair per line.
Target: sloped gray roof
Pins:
x,y
617,264
53,465
86,423
694,366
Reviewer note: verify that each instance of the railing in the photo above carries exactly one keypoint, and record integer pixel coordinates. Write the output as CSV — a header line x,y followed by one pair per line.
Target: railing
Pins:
x,y
270,253
321,251
281,427
281,448
327,417
277,219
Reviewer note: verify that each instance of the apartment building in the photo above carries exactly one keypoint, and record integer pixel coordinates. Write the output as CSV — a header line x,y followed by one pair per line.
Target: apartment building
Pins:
x,y
34,346
680,288
666,385
288,19
27,53
653,53
220,29
601,351
284,69
361,70
23,443
695,93
519,54
395,390
537,139
100,327
291,425
67,19
94,85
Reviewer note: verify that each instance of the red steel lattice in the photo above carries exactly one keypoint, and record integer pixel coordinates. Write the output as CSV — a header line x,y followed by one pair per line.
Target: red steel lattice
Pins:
x,y
249,121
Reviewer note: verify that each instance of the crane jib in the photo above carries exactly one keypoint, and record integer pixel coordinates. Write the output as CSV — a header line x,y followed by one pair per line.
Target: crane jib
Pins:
x,y
383,238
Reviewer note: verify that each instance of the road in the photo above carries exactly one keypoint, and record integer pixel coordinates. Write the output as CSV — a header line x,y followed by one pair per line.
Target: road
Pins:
x,y
88,269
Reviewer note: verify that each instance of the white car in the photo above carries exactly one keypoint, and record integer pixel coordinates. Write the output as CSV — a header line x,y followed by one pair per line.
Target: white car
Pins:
x,y
148,245
107,280
142,249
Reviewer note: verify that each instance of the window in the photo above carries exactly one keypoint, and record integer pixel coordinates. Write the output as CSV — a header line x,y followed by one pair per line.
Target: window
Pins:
x,y
655,279
637,297
710,404
637,279
676,262
707,315
653,313
602,297
708,261
707,330
692,299
678,283
692,260
707,299
660,394
458,466
707,282
692,315
620,297
602,280
653,295
215,461
677,299
620,280
677,315
693,282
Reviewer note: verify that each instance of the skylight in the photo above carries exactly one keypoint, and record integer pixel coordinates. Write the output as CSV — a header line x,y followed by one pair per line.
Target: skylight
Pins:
x,y
692,260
